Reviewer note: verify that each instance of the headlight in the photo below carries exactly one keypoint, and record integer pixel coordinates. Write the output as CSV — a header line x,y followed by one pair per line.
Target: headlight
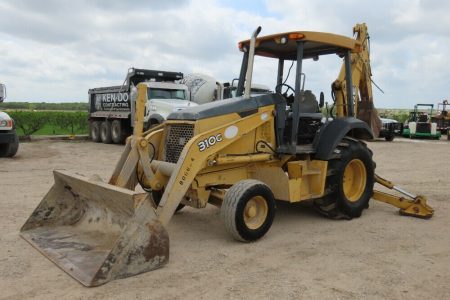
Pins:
x,y
6,123
153,107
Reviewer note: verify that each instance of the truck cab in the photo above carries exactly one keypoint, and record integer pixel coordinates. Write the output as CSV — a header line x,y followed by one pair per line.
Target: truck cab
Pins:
x,y
163,99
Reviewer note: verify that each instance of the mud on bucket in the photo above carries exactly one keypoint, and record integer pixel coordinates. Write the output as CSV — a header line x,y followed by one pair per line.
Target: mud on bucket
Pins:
x,y
97,232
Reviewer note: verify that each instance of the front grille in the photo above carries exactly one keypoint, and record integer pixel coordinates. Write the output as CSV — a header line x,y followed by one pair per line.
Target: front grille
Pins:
x,y
423,127
176,138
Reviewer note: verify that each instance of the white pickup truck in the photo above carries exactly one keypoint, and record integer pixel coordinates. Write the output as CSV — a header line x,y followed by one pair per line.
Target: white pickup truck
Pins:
x,y
9,142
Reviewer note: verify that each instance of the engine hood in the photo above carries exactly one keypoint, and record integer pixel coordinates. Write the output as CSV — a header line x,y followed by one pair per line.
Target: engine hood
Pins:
x,y
4,116
173,102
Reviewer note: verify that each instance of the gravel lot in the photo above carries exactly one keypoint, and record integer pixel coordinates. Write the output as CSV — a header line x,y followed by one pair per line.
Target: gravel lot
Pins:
x,y
380,255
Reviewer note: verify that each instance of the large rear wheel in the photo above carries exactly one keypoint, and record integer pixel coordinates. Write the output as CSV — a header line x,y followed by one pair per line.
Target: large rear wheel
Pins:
x,y
248,210
349,183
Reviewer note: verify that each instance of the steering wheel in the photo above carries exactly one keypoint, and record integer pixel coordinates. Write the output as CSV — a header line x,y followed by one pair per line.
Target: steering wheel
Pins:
x,y
288,88
289,99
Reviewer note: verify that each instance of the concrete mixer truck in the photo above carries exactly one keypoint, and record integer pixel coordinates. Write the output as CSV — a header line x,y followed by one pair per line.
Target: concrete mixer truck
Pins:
x,y
204,88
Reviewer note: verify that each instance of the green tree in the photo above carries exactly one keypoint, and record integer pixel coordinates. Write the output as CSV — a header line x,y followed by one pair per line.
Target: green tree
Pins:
x,y
29,121
70,121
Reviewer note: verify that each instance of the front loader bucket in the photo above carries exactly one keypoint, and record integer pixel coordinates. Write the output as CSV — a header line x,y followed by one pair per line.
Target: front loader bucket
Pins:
x,y
95,231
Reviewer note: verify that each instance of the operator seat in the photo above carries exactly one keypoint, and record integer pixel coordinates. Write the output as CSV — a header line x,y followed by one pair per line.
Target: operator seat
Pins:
x,y
310,119
309,107
423,118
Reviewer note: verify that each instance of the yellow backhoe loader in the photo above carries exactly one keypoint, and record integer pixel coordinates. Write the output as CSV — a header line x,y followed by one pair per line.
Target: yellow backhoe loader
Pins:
x,y
241,154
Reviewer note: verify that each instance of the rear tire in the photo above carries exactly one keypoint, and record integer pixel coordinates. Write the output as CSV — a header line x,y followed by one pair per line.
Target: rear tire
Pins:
x,y
248,210
349,183
10,149
118,133
105,132
95,131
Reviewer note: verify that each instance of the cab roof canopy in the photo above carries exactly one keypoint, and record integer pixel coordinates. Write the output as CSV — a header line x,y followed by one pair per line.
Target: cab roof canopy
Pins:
x,y
284,46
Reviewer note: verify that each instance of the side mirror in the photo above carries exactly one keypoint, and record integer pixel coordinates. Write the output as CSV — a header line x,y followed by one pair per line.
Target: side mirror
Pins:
x,y
2,92
321,100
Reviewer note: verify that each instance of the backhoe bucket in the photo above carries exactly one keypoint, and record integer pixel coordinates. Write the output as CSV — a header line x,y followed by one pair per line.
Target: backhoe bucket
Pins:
x,y
97,232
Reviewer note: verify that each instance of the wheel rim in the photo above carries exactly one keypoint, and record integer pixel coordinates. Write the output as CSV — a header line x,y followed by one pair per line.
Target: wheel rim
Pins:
x,y
255,212
354,182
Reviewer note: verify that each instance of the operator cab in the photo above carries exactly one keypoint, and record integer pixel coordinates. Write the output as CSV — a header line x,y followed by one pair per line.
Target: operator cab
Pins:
x,y
299,118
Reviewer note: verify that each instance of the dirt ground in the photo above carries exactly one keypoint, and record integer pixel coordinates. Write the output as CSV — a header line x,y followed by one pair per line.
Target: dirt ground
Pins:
x,y
378,256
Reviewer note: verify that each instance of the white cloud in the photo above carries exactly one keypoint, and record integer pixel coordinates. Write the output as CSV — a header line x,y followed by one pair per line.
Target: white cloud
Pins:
x,y
57,50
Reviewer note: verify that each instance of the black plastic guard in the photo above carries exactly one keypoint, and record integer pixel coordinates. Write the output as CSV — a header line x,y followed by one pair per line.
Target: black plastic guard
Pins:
x,y
334,131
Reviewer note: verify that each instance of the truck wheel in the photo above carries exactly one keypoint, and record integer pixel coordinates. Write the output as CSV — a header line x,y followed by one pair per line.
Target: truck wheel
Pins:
x,y
105,132
118,133
389,137
10,149
350,180
95,131
248,210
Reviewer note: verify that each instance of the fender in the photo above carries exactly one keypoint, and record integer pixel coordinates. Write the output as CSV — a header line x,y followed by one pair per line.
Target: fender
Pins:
x,y
333,132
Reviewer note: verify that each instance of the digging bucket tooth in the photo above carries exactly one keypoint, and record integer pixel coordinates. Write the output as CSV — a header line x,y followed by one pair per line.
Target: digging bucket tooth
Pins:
x,y
97,232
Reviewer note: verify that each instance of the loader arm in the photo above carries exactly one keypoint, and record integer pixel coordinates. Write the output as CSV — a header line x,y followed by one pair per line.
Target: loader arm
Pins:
x,y
413,205
136,148
361,78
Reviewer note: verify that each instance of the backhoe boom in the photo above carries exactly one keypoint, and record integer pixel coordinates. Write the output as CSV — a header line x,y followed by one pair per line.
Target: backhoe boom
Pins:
x,y
361,73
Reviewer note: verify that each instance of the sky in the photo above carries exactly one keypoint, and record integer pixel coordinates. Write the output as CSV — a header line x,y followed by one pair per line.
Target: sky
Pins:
x,y
55,50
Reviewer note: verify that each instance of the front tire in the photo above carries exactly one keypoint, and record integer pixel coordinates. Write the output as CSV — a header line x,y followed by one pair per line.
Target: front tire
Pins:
x,y
349,183
10,149
248,210
105,132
